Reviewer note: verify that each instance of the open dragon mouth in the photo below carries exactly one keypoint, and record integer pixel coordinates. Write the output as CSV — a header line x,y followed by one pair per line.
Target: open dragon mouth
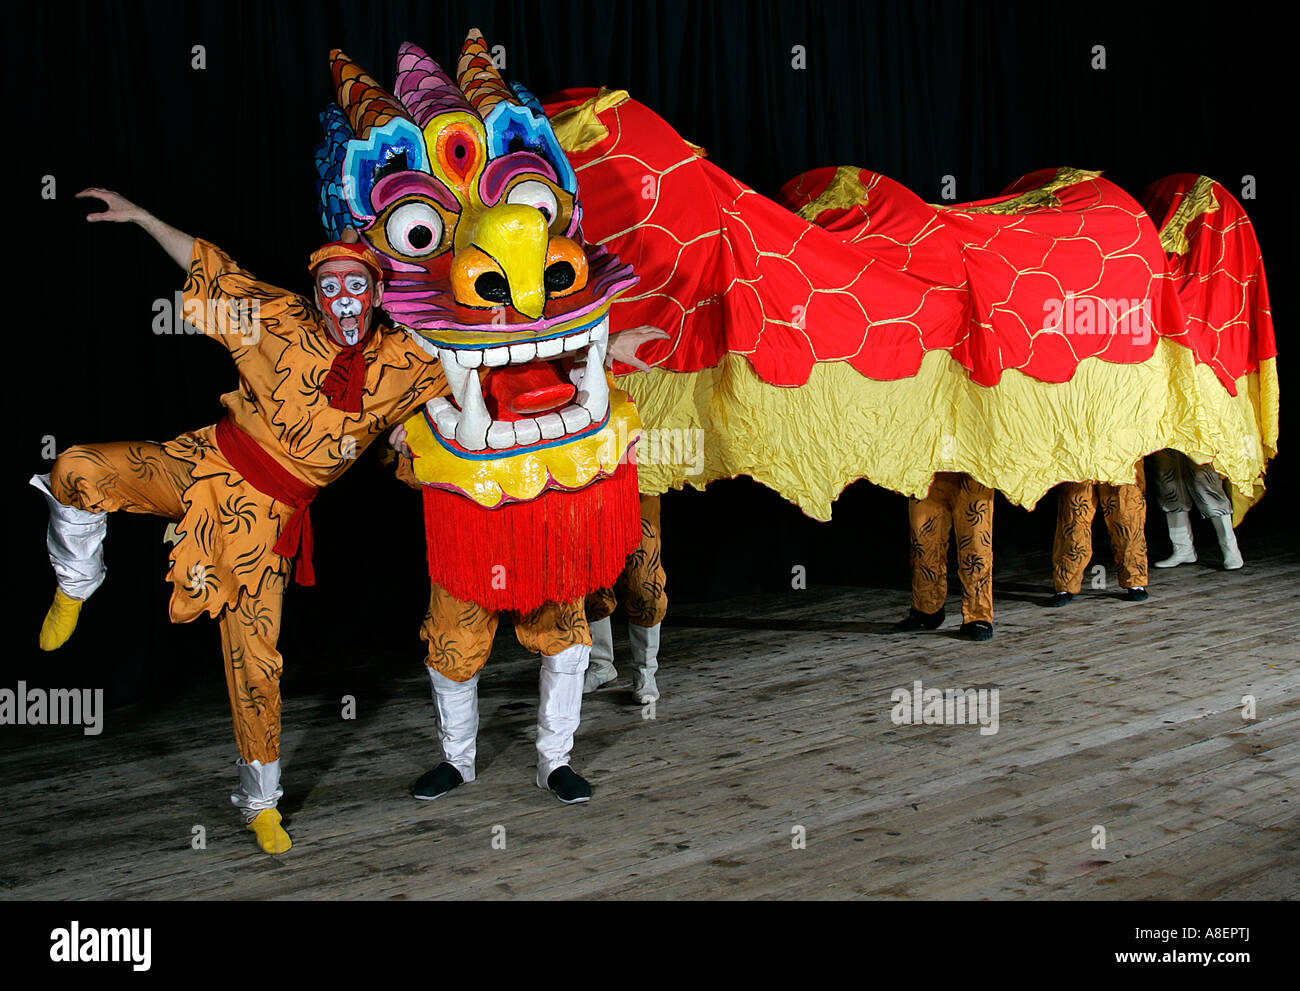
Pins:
x,y
512,398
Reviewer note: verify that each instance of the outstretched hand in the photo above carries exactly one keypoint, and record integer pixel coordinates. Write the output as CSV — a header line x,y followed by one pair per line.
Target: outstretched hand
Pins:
x,y
120,209
623,345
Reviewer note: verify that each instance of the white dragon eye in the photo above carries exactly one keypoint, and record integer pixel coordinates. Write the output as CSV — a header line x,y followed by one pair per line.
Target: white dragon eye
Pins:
x,y
536,194
414,229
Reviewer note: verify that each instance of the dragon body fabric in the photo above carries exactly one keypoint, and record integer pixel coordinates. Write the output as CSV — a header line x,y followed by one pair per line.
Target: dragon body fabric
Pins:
x,y
852,330
463,191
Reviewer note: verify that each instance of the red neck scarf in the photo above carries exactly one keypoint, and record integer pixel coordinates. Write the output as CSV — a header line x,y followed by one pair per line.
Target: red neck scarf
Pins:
x,y
346,379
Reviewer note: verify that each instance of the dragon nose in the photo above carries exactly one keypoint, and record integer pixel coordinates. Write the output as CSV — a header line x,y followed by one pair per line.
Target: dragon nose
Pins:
x,y
504,261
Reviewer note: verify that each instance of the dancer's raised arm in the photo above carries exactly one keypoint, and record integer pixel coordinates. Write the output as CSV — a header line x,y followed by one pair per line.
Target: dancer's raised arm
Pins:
x,y
177,244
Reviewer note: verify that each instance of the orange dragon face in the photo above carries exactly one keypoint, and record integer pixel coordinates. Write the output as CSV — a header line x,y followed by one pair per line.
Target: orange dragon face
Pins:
x,y
463,191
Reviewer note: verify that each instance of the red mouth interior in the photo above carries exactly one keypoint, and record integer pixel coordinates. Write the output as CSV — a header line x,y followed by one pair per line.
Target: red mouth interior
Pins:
x,y
517,392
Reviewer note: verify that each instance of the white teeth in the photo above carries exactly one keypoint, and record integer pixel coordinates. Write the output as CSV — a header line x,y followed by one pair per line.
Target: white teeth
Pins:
x,y
423,342
444,416
501,435
526,432
446,421
593,391
575,418
457,375
551,426
471,430
549,349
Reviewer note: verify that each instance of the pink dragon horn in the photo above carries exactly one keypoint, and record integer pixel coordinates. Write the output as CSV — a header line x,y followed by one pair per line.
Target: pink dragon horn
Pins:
x,y
423,88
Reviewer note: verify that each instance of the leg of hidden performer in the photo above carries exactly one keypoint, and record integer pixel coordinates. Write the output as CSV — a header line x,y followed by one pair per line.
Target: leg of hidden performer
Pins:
x,y
1181,485
317,383
1125,510
958,503
641,590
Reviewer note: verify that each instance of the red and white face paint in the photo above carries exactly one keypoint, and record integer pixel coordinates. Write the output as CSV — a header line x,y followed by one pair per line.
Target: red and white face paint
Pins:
x,y
346,294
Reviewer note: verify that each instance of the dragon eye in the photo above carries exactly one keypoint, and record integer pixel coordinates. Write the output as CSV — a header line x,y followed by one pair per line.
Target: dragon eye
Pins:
x,y
414,229
537,195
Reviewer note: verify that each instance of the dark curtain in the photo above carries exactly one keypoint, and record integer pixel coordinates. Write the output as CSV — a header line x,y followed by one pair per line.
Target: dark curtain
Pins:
x,y
108,95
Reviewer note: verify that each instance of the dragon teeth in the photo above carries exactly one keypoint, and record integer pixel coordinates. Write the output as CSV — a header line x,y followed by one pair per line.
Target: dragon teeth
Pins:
x,y
551,426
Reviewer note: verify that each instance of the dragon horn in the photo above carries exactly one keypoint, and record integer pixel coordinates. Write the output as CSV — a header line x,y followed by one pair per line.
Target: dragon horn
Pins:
x,y
478,77
366,103
423,88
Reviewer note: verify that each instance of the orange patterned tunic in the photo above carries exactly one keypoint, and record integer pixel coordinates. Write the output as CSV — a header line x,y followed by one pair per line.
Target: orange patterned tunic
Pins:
x,y
282,355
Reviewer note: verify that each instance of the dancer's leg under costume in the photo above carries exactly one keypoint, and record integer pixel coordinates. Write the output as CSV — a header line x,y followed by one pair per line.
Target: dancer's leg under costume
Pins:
x,y
1125,510
459,638
641,589
1180,485
90,481
957,502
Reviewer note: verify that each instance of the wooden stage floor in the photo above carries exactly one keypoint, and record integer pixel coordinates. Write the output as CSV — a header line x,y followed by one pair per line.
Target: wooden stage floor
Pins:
x,y
775,726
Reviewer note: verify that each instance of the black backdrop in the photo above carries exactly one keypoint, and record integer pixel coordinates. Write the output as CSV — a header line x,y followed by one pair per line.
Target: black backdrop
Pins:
x,y
106,94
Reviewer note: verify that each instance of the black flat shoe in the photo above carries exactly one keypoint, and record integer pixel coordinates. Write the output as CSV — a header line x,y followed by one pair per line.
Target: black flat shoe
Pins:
x,y
436,783
568,786
919,621
1059,599
978,630
1137,594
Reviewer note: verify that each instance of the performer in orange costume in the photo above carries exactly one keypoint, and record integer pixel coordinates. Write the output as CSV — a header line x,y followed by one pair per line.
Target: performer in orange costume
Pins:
x,y
317,384
957,502
1125,509
640,588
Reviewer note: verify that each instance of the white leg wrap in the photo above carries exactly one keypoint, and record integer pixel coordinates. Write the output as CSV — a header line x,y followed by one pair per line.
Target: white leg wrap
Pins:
x,y
1227,542
559,707
75,541
457,703
601,669
259,787
645,657
1180,535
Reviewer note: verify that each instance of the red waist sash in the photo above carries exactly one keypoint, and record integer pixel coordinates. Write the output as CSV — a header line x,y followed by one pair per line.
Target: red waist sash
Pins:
x,y
266,475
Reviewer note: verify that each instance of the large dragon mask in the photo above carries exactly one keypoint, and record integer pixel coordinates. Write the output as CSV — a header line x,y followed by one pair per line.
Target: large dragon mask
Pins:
x,y
463,191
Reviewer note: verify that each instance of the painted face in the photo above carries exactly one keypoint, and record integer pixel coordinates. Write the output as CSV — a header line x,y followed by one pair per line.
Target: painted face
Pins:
x,y
345,293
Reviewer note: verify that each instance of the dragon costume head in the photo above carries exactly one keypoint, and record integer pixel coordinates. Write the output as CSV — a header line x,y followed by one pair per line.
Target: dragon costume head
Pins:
x,y
462,190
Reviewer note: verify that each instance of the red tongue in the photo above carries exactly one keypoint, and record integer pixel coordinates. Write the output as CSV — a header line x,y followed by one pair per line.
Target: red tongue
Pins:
x,y
516,392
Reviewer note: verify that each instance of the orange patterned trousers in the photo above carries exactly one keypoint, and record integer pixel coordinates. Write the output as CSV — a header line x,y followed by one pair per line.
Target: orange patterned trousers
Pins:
x,y
959,503
143,478
1125,510
459,634
641,586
